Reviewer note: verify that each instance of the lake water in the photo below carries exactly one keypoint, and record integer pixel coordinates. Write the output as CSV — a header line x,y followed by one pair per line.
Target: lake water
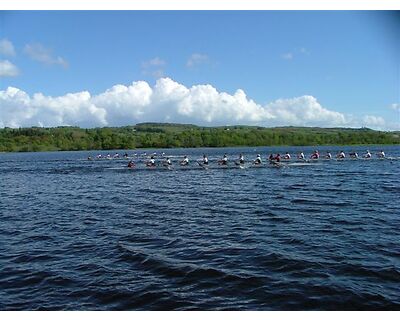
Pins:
x,y
94,235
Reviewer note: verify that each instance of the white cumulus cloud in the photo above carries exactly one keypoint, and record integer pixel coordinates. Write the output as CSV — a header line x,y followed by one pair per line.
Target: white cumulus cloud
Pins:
x,y
304,111
166,101
44,55
373,122
7,69
6,48
18,109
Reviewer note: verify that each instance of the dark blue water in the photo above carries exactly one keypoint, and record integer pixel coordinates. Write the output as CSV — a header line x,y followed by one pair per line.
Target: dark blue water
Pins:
x,y
93,235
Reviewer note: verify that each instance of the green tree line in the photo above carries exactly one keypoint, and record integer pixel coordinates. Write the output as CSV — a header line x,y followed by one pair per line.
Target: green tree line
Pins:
x,y
158,135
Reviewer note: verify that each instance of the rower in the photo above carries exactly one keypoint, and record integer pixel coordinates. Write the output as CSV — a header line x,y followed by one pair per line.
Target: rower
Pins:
x,y
151,162
116,155
241,159
205,159
125,155
381,154
277,158
368,155
271,157
167,162
257,160
89,158
315,155
301,156
224,160
287,156
328,155
185,161
131,164
341,155
353,155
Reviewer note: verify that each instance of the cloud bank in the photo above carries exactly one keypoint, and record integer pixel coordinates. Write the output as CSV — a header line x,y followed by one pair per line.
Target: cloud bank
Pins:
x,y
166,101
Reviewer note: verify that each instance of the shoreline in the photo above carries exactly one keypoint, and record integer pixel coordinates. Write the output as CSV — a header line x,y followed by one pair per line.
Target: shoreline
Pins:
x,y
211,147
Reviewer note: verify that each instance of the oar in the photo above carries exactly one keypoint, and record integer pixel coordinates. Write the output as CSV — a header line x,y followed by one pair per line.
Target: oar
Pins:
x,y
202,165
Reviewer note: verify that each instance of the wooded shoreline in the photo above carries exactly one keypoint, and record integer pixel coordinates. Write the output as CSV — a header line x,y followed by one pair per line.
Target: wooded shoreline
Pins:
x,y
167,135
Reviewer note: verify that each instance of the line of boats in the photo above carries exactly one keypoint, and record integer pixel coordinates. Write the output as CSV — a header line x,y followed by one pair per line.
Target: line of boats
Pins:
x,y
278,157
153,161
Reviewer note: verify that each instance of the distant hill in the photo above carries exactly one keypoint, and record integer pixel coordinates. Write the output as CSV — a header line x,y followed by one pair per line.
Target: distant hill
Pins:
x,y
170,135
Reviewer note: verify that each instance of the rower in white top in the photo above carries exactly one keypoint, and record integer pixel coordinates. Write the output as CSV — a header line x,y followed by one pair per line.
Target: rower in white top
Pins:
x,y
353,155
205,159
167,162
368,155
381,154
301,156
185,161
328,155
224,160
341,155
151,162
286,156
241,159
257,160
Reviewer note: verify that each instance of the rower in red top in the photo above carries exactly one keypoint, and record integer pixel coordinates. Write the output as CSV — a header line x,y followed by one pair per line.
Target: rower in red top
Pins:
x,y
315,155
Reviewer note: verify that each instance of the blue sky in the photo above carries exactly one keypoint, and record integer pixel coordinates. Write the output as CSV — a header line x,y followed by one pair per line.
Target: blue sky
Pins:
x,y
347,61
